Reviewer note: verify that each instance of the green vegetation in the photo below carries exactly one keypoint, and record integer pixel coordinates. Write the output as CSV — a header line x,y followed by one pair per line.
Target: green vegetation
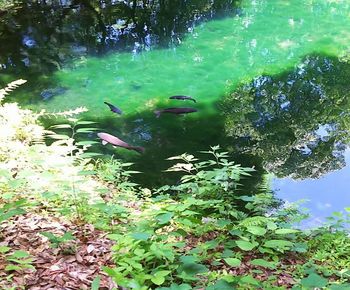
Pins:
x,y
205,232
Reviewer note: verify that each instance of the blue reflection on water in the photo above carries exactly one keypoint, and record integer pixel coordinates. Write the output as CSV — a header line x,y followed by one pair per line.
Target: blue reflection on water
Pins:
x,y
324,196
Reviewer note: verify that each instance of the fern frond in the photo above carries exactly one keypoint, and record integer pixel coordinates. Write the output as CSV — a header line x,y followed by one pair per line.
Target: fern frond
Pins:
x,y
10,87
68,113
265,184
254,221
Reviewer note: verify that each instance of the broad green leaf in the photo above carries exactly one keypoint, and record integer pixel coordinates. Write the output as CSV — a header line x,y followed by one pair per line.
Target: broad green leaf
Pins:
x,y
222,223
20,254
159,277
158,280
263,263
11,213
300,247
314,281
227,253
249,280
193,268
95,285
278,244
271,226
162,273
12,268
139,252
188,259
4,249
141,236
164,218
286,231
245,245
257,231
233,262
117,276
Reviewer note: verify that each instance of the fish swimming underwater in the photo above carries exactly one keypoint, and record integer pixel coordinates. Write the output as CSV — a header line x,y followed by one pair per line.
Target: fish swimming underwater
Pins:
x,y
113,108
183,98
176,111
115,141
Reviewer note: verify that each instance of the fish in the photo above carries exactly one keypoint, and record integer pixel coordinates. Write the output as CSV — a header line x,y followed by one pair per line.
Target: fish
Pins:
x,y
113,108
49,93
176,111
183,98
115,141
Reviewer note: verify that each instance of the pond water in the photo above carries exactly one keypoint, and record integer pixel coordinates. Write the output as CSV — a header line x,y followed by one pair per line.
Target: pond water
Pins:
x,y
270,78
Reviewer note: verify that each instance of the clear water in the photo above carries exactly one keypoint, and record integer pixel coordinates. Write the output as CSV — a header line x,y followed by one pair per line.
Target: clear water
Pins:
x,y
267,37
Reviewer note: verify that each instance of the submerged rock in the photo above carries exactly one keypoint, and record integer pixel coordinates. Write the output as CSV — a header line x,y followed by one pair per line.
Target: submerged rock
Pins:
x,y
49,93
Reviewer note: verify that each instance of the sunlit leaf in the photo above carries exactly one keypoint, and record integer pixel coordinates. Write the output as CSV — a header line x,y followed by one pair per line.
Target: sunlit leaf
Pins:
x,y
85,122
245,245
61,126
257,231
263,263
278,244
233,262
95,285
58,137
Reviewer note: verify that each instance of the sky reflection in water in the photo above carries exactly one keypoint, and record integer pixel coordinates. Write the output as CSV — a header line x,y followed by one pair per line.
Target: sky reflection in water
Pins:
x,y
323,196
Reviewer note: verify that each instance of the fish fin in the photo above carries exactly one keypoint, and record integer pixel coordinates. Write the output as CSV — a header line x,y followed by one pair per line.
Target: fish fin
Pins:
x,y
194,100
157,113
104,142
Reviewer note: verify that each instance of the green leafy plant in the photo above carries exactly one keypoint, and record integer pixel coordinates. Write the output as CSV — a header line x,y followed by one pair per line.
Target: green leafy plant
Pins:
x,y
59,241
19,260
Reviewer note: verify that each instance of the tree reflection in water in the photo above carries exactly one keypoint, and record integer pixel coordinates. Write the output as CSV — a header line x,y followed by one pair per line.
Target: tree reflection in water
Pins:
x,y
297,122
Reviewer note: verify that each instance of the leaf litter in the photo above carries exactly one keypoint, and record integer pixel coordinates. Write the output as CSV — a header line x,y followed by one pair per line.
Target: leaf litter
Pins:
x,y
72,265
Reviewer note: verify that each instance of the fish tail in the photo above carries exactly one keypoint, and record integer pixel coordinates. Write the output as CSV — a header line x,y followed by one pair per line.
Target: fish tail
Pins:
x,y
158,113
194,100
139,149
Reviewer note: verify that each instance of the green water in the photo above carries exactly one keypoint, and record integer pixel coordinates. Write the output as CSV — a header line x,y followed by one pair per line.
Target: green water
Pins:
x,y
267,38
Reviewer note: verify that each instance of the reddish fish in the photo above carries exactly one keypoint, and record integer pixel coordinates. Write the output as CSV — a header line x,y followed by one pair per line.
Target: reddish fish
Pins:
x,y
108,138
176,111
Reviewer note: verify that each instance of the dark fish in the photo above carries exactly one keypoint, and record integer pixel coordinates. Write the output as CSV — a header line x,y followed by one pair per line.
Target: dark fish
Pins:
x,y
177,111
183,98
113,108
49,93
115,141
